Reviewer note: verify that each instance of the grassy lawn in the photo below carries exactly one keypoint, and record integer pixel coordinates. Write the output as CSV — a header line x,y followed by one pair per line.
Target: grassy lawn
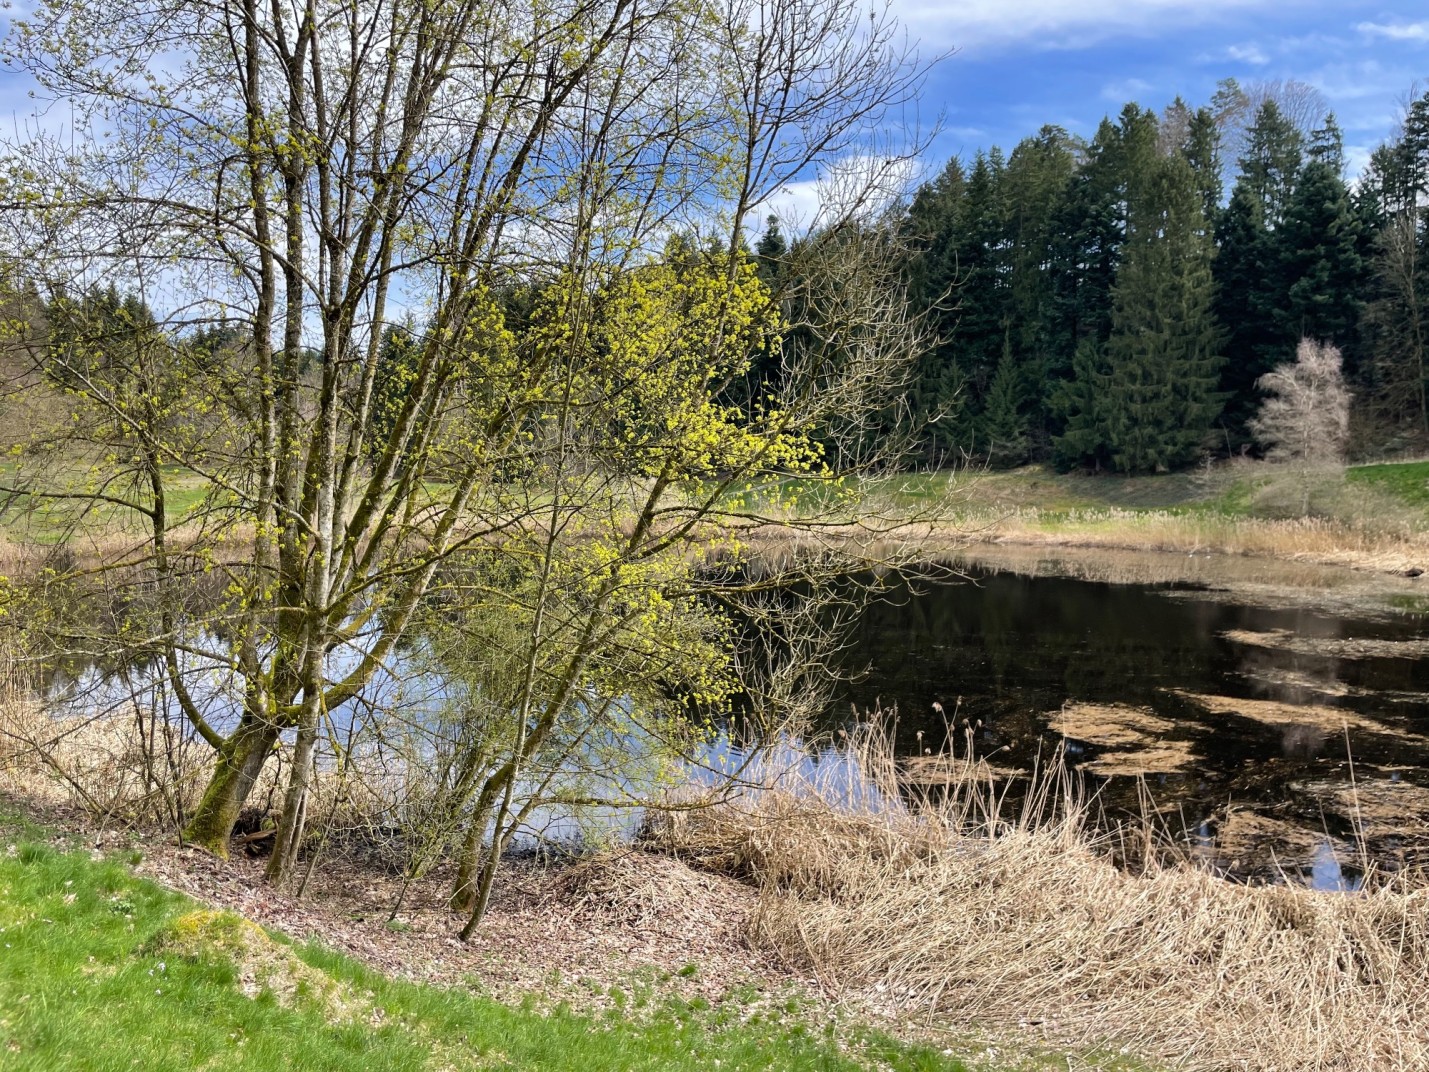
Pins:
x,y
47,521
102,970
1408,481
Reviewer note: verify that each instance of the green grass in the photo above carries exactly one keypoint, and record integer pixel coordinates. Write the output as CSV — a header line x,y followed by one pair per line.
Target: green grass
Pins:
x,y
1407,481
89,981
47,521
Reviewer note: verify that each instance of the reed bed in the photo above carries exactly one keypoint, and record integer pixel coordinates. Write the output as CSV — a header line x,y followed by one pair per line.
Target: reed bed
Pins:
x,y
950,911
1325,540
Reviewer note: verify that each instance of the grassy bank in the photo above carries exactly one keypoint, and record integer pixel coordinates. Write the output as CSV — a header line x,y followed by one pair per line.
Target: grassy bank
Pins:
x,y
1373,517
1369,517
101,969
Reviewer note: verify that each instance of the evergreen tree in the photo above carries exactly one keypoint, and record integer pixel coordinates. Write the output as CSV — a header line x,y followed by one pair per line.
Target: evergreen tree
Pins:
x,y
1250,266
1396,345
1163,357
1077,401
1327,146
770,251
1087,250
930,230
1320,266
1004,426
1271,164
1036,182
1202,149
981,283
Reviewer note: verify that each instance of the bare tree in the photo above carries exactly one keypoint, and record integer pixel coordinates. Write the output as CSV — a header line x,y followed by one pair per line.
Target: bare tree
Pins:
x,y
1235,107
1306,418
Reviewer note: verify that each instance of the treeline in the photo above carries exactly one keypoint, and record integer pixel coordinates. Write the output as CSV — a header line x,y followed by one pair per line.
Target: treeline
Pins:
x,y
1111,304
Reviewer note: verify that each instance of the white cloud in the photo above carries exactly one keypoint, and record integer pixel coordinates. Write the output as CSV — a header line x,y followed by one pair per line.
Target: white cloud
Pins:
x,y
1396,31
1125,90
975,24
1251,53
1370,79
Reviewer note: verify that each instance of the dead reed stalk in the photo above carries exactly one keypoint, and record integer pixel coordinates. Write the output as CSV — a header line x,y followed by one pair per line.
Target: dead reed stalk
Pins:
x,y
1035,926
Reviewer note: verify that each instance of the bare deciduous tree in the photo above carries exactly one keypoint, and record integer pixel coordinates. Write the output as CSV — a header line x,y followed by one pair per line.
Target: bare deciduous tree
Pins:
x,y
1305,421
1307,416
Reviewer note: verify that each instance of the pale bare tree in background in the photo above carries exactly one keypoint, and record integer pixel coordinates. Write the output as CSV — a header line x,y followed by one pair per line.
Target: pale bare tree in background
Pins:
x,y
1305,421
1235,107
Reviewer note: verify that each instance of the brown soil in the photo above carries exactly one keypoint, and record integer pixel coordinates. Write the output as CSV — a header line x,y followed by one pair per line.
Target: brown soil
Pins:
x,y
565,931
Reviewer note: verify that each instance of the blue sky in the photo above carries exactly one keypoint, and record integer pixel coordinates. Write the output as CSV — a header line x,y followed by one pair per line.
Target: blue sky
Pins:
x,y
1017,64
1020,63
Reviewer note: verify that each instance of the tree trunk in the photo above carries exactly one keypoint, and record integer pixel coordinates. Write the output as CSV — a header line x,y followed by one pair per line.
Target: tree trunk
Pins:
x,y
240,761
463,896
295,804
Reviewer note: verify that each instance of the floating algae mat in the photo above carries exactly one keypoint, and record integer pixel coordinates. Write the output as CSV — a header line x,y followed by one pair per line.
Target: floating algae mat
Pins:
x,y
1277,713
1333,647
1134,736
1209,706
1109,724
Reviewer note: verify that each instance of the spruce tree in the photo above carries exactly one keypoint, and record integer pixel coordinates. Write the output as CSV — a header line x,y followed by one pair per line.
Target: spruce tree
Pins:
x,y
930,230
1202,149
1249,267
1396,320
770,252
1077,402
1036,182
1087,246
1272,161
1004,426
1320,265
1163,357
980,286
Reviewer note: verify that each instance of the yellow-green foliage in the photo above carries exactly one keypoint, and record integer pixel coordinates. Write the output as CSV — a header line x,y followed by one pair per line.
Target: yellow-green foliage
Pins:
x,y
672,334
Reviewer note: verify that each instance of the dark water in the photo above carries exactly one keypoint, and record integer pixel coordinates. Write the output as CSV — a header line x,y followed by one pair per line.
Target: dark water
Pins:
x,y
1003,653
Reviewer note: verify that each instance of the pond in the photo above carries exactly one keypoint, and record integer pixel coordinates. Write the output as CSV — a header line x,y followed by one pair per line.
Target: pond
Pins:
x,y
1276,717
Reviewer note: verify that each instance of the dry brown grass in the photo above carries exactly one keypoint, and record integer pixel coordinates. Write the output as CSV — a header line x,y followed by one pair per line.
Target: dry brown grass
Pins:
x,y
1335,647
1327,720
113,765
1321,540
1035,927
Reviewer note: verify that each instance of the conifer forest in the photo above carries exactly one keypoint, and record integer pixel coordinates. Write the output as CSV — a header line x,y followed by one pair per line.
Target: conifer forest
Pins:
x,y
1111,304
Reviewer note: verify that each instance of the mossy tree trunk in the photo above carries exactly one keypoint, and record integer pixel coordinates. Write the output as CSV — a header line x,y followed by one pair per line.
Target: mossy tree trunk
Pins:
x,y
240,760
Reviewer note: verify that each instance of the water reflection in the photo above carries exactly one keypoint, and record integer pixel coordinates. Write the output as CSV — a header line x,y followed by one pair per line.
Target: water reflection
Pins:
x,y
1167,684
1224,722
